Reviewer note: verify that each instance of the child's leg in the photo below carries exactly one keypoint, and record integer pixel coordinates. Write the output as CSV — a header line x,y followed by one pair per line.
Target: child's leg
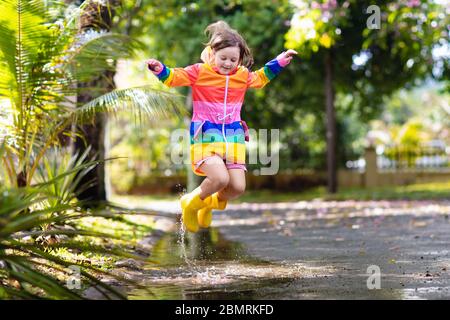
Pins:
x,y
218,200
216,179
235,187
217,176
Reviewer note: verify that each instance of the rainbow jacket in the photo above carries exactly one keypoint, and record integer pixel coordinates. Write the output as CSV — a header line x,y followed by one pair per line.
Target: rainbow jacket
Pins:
x,y
216,125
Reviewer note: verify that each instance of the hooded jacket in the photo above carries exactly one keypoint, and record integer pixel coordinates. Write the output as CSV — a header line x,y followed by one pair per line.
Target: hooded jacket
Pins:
x,y
216,126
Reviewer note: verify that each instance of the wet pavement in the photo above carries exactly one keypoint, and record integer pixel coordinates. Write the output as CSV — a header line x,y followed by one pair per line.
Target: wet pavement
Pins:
x,y
308,250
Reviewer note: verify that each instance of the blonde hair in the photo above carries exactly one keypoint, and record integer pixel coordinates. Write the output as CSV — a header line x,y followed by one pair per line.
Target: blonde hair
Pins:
x,y
221,35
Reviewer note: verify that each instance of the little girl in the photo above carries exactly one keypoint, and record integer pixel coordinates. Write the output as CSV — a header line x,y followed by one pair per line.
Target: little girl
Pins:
x,y
217,132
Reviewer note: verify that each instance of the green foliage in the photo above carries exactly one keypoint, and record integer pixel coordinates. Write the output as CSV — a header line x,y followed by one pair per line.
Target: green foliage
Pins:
x,y
406,123
294,101
70,169
372,63
34,226
42,60
369,64
42,57
143,152
316,25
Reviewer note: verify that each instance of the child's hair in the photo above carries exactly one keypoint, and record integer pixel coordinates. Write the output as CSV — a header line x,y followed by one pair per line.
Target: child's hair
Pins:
x,y
221,35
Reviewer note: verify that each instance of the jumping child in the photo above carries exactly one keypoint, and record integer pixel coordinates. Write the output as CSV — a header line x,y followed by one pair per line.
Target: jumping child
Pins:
x,y
217,132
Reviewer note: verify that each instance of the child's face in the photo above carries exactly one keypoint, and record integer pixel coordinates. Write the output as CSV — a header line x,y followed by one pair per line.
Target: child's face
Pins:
x,y
227,59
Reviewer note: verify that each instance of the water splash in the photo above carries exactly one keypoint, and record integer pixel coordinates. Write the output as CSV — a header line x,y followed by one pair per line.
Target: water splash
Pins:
x,y
182,244
181,237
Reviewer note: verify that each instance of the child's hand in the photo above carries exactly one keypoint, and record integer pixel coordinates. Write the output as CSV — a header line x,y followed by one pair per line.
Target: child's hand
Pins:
x,y
154,66
285,57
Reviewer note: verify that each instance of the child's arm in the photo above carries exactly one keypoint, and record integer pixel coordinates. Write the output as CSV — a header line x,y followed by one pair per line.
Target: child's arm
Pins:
x,y
261,77
173,77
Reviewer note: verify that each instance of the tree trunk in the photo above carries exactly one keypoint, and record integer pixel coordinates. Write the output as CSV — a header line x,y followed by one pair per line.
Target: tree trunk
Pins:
x,y
330,124
97,16
21,178
94,136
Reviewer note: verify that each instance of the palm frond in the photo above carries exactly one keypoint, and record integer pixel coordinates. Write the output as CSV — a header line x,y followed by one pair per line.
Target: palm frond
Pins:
x,y
65,171
23,33
30,276
32,264
146,100
8,85
95,52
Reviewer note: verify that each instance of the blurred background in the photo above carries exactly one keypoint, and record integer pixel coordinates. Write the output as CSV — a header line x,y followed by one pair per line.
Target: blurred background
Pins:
x,y
365,104
385,88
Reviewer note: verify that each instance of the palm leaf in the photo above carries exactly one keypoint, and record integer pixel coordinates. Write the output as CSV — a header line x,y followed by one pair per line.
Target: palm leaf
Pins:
x,y
24,259
94,52
23,35
41,76
152,102
56,165
38,279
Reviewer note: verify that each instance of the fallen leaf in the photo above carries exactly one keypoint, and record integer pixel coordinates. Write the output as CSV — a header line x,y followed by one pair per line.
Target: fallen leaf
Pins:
x,y
419,224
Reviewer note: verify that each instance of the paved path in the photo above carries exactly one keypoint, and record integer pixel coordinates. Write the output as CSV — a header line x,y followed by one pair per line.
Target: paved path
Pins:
x,y
408,241
322,250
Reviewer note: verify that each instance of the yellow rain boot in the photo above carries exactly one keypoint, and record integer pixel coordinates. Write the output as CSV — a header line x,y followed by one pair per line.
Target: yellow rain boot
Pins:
x,y
190,204
205,215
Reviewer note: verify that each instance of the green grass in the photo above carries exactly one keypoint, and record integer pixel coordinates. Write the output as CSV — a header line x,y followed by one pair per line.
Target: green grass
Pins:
x,y
410,192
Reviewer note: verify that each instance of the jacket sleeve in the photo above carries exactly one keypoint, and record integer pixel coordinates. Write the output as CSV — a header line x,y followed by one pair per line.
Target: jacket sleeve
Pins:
x,y
261,77
178,77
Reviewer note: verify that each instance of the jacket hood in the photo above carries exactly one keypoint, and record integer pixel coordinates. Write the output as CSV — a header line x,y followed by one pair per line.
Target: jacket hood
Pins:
x,y
207,57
